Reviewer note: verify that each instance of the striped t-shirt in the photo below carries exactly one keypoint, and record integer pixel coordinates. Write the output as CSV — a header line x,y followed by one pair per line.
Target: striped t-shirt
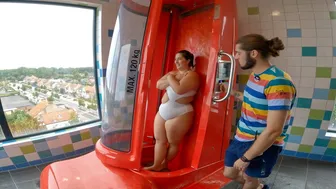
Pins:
x,y
271,90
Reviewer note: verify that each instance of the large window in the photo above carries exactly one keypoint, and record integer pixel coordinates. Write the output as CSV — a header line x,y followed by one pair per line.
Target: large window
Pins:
x,y
47,67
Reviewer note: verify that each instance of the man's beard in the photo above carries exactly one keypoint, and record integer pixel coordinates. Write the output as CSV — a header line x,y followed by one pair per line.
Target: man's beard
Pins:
x,y
250,63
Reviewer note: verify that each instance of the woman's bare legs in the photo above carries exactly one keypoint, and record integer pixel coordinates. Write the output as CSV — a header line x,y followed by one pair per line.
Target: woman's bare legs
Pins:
x,y
176,129
160,149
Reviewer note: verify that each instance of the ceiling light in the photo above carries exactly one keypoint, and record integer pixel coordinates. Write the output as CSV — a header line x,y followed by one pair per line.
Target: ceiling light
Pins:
x,y
276,13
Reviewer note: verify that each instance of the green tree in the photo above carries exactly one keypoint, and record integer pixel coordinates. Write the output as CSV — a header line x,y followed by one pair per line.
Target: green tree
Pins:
x,y
50,99
23,88
21,122
74,118
92,106
56,96
81,102
62,90
35,94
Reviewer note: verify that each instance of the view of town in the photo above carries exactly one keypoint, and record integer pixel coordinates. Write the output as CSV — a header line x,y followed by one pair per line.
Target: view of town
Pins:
x,y
40,99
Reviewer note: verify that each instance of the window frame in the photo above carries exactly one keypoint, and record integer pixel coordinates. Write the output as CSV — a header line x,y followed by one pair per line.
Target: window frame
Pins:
x,y
3,121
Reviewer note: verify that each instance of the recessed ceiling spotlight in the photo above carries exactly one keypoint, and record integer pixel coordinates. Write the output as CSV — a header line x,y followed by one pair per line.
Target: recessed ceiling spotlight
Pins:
x,y
276,13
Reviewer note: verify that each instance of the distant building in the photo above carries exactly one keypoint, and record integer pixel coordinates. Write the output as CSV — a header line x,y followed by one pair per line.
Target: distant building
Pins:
x,y
52,116
16,102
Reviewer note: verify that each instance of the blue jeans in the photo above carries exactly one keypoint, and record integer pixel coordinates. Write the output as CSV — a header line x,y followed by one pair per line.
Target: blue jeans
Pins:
x,y
259,167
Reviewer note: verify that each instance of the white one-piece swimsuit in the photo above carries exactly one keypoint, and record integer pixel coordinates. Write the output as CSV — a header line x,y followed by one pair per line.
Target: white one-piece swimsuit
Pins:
x,y
171,108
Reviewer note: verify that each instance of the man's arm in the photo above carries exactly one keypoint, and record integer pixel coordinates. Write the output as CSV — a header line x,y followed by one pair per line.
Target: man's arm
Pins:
x,y
237,94
275,122
280,93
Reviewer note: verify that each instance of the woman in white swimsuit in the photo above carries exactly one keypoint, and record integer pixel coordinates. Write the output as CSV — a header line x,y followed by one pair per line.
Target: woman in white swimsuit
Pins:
x,y
175,115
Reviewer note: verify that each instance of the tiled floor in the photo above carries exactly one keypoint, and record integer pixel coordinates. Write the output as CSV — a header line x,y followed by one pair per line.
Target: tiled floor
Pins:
x,y
294,173
28,178
289,173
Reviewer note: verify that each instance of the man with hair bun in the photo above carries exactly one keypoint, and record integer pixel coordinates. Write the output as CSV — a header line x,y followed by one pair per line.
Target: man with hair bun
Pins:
x,y
267,101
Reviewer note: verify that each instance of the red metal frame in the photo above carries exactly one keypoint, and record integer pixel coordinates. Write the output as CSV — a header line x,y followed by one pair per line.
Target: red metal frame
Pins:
x,y
201,157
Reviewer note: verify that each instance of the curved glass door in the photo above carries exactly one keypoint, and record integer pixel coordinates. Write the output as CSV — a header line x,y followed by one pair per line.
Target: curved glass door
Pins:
x,y
122,74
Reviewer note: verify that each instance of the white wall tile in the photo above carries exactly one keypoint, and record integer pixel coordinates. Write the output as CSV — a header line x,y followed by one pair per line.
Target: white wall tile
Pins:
x,y
307,81
254,26
267,33
308,72
309,41
324,41
292,16
307,24
13,150
300,122
324,32
253,3
289,129
289,2
302,2
322,83
294,71
32,156
296,80
291,8
332,7
309,61
5,162
265,9
279,17
308,135
293,24
280,32
54,143
64,139
302,112
83,144
309,33
325,125
267,25
322,16
317,103
320,7
264,17
294,61
305,92
334,39
333,24
323,24
324,62
294,42
330,105
279,25
263,2
277,7
306,16
324,51
294,51
333,71
292,146
305,7
254,19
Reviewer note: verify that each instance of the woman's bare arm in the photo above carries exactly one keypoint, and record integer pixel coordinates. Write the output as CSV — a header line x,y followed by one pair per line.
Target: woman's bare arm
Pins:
x,y
187,83
162,83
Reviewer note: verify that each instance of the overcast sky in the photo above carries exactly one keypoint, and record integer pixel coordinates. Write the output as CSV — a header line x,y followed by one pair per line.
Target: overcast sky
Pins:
x,y
36,35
